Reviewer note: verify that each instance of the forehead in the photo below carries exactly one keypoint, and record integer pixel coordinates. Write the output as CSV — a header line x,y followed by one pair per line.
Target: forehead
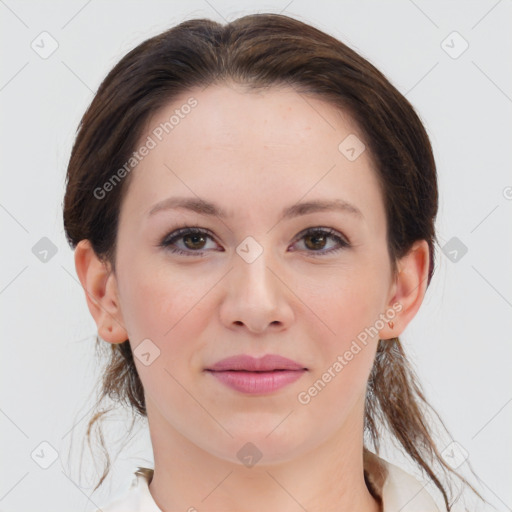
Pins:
x,y
235,117
238,148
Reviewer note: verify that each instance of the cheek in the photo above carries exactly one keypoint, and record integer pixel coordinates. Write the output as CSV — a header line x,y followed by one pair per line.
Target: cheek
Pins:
x,y
346,354
156,301
166,307
348,306
163,309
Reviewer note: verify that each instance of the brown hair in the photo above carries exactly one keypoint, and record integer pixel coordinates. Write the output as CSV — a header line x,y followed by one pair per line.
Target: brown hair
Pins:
x,y
257,51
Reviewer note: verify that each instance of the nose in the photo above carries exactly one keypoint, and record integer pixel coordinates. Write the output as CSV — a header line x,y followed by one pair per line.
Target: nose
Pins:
x,y
257,296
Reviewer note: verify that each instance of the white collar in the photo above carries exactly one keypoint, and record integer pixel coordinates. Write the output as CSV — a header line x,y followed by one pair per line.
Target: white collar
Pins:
x,y
400,491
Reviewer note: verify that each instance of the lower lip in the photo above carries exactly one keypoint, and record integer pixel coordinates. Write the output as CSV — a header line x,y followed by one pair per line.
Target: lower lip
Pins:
x,y
255,383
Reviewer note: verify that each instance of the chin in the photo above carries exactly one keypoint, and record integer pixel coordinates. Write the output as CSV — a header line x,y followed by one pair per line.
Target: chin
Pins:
x,y
262,446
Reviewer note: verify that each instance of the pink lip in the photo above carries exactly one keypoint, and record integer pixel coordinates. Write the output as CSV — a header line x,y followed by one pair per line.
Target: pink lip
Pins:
x,y
256,376
266,363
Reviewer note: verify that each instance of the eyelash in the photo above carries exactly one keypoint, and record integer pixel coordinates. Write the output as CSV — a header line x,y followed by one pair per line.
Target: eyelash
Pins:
x,y
168,240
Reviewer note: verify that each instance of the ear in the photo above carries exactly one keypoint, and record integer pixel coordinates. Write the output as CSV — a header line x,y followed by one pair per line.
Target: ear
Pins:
x,y
100,287
408,289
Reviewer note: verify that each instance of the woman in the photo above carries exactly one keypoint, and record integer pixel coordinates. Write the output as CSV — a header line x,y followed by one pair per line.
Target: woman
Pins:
x,y
252,209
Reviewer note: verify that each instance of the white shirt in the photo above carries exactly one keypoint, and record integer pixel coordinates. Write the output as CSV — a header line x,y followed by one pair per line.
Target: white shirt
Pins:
x,y
400,491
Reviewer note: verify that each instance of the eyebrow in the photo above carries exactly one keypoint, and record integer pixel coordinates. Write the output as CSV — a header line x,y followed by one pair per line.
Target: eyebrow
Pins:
x,y
207,208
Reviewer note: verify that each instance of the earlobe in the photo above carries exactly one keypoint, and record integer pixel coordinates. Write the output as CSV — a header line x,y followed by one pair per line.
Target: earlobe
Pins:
x,y
100,288
409,289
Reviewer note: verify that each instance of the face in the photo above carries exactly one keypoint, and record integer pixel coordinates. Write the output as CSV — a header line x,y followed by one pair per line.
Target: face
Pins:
x,y
251,281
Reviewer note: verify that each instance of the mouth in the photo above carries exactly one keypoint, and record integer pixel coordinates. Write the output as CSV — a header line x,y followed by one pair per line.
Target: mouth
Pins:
x,y
250,375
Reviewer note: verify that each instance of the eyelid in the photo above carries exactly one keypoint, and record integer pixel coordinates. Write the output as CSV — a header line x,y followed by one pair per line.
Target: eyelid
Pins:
x,y
343,242
178,233
325,229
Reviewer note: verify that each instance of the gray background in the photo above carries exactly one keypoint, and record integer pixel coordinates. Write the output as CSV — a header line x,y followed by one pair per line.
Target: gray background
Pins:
x,y
460,339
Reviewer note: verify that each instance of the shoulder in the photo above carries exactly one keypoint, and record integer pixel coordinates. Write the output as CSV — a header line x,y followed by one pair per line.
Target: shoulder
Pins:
x,y
136,499
398,490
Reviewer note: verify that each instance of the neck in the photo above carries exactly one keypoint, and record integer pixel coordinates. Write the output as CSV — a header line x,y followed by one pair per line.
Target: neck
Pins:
x,y
329,477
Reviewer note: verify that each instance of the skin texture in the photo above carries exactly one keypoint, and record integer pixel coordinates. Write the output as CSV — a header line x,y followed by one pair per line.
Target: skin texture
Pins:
x,y
253,154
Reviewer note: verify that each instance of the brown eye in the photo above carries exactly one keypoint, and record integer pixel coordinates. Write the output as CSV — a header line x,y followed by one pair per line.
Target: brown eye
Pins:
x,y
194,240
187,241
316,239
197,241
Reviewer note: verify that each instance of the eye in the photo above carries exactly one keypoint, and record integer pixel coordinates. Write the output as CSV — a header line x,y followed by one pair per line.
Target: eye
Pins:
x,y
316,240
193,241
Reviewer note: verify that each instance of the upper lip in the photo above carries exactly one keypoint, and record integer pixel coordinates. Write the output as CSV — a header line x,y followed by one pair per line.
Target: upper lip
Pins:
x,y
266,363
